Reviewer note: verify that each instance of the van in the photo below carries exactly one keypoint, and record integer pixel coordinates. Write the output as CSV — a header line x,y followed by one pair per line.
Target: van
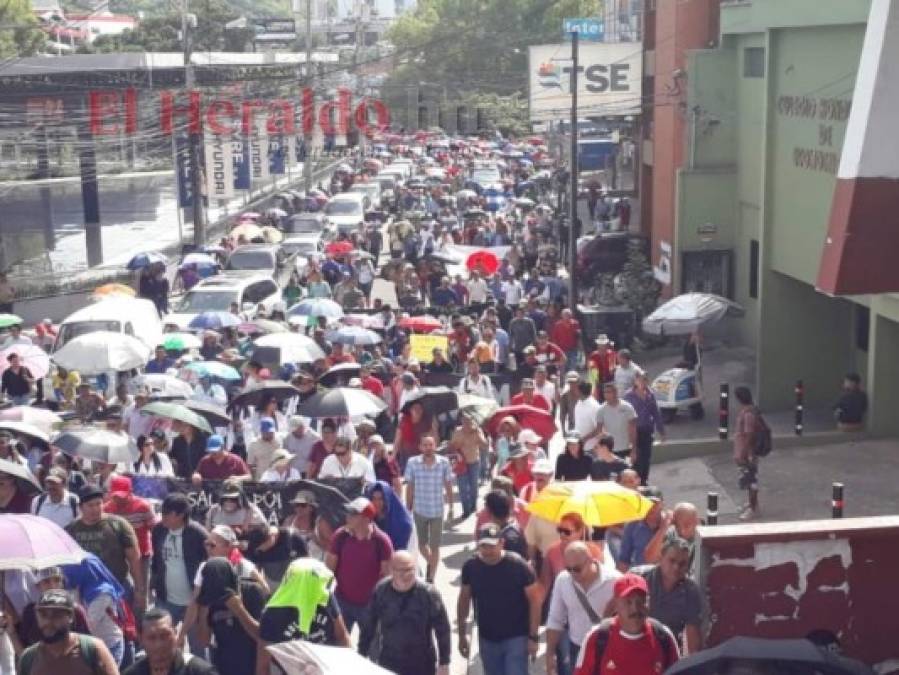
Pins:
x,y
132,316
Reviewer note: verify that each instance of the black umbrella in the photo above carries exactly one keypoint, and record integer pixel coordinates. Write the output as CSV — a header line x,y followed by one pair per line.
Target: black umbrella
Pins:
x,y
278,390
435,400
216,415
330,499
24,478
790,657
340,374
341,402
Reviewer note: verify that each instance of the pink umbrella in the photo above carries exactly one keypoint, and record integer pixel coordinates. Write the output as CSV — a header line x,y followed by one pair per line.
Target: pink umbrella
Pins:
x,y
35,359
36,543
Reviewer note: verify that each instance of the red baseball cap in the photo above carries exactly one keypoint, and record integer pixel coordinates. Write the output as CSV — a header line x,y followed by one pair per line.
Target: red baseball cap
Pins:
x,y
630,583
120,486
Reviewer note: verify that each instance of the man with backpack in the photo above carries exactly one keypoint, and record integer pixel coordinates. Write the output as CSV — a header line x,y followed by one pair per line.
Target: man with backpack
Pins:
x,y
57,503
61,650
752,439
631,642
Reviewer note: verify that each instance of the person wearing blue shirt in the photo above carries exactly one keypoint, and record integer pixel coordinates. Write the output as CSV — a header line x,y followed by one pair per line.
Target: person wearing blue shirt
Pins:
x,y
161,362
638,534
443,295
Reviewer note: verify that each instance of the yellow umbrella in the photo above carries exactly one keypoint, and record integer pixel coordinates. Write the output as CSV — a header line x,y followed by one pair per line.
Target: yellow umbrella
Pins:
x,y
598,503
113,289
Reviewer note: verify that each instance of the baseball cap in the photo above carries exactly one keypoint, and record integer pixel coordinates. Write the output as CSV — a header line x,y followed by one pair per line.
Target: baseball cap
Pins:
x,y
215,443
266,424
225,533
489,535
56,598
630,583
230,490
528,436
362,506
89,493
57,475
543,467
120,486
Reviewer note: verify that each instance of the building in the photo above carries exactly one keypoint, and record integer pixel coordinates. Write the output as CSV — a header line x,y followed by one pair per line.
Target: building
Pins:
x,y
104,23
767,114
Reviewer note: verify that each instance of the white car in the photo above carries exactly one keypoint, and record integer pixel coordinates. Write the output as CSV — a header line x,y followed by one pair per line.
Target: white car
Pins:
x,y
301,247
372,190
346,211
216,294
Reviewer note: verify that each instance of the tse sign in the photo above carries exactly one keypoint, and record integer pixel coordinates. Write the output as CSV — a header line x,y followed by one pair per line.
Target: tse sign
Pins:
x,y
602,78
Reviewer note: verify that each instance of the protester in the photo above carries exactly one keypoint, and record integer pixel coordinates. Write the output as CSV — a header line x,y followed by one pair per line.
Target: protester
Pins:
x,y
746,438
344,463
391,517
162,655
649,421
469,443
639,533
47,579
573,463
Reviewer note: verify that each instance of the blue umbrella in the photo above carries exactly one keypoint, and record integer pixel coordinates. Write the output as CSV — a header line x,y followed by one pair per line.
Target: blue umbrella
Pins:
x,y
214,321
213,369
316,307
354,335
146,259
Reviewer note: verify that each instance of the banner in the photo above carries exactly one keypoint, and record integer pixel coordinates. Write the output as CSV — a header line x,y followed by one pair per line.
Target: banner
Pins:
x,y
182,172
423,346
273,499
280,149
258,142
240,156
219,168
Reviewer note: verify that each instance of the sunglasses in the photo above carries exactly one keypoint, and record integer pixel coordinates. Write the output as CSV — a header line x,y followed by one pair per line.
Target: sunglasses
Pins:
x,y
564,531
576,569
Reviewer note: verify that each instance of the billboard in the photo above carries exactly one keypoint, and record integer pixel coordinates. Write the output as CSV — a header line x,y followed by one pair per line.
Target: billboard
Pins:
x,y
219,167
610,80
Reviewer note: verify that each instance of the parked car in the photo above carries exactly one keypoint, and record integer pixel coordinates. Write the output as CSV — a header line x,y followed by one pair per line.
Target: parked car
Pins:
x,y
346,211
131,316
256,257
216,294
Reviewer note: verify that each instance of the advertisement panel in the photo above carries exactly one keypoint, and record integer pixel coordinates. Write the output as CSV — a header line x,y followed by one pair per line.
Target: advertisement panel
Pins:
x,y
240,154
183,173
609,80
219,168
258,141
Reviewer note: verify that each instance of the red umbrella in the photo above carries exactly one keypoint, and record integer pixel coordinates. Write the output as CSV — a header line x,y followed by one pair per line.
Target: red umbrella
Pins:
x,y
484,262
422,324
339,248
528,417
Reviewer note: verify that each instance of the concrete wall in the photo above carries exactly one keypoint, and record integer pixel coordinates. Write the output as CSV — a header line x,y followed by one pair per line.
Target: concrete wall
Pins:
x,y
883,376
783,580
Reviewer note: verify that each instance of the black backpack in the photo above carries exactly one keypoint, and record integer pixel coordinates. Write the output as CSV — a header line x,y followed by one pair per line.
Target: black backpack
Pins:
x,y
73,504
764,443
662,636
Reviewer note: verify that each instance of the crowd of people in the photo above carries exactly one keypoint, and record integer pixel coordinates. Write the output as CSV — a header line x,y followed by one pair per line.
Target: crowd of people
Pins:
x,y
158,583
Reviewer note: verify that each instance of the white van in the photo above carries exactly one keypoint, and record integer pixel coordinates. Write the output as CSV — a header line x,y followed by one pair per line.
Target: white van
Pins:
x,y
132,316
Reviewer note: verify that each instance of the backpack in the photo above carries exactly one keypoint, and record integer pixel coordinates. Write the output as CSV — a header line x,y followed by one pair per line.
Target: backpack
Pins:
x,y
88,655
662,636
73,504
763,440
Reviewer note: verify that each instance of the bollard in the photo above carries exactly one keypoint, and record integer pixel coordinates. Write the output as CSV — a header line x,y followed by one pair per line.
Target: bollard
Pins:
x,y
837,500
724,411
711,509
800,395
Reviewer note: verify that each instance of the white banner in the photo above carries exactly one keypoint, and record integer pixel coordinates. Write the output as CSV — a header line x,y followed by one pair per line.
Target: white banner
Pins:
x,y
259,170
219,168
610,80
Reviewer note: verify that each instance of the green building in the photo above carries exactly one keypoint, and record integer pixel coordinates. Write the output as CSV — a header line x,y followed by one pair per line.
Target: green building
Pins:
x,y
766,113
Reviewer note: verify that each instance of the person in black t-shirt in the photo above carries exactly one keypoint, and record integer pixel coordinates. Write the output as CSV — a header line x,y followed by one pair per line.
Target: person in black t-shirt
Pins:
x,y
498,506
509,602
16,381
573,463
274,548
850,410
605,462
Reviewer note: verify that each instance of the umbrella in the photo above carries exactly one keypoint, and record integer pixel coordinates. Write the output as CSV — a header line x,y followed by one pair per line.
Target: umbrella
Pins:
x,y
35,543
304,658
370,321
178,342
178,412
113,289
161,385
248,230
478,407
278,390
43,419
341,402
685,313
261,326
272,235
102,351
25,429
600,503
100,445
213,321
528,417
295,348
339,374
199,259
146,259
524,202
466,194
275,212
7,320
317,307
32,357
483,261
339,248
782,655
25,478
434,400
422,324
216,415
353,335
213,369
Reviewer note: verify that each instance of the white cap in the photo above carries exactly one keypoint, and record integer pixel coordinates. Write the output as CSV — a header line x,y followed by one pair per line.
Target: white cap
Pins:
x,y
528,436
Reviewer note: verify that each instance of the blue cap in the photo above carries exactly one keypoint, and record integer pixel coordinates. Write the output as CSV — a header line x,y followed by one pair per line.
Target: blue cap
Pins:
x,y
215,444
266,424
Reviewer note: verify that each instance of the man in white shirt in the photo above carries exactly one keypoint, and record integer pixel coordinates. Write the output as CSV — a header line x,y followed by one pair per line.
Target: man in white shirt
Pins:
x,y
583,583
57,504
474,382
544,387
477,289
586,417
299,442
138,425
261,451
344,463
618,419
513,291
208,391
625,373
15,337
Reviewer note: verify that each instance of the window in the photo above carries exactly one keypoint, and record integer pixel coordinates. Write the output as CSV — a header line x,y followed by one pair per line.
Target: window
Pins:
x,y
862,327
754,62
754,269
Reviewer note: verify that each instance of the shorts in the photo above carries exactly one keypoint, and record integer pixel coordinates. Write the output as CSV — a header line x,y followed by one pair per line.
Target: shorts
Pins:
x,y
749,475
429,530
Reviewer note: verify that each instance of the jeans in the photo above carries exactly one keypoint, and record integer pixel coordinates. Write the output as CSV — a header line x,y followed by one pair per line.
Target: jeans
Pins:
x,y
24,399
352,614
571,359
118,651
507,657
564,661
468,488
644,453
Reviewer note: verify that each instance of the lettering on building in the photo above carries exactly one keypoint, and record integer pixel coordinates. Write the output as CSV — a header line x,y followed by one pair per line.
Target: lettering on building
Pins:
x,y
826,112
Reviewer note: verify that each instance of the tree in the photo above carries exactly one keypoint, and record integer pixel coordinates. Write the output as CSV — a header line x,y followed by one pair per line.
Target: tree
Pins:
x,y
20,33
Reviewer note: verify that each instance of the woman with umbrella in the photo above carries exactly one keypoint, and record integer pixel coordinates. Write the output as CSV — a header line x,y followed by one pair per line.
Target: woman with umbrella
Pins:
x,y
151,462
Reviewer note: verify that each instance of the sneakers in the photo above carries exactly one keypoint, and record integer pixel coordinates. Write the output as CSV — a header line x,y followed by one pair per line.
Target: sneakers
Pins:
x,y
748,513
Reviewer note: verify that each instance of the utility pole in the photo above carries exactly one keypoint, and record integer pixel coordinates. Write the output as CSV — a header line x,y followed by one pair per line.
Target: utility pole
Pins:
x,y
194,139
307,133
573,166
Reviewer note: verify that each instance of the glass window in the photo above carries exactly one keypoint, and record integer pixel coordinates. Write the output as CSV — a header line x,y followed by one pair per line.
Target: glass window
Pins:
x,y
754,62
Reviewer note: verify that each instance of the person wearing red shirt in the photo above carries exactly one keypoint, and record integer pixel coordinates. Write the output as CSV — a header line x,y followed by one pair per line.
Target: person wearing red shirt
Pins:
x,y
549,353
370,383
136,511
631,643
219,464
337,356
603,361
566,333
528,396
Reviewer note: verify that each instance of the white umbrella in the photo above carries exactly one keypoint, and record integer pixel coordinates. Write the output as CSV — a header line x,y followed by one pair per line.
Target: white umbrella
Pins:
x,y
43,419
304,658
295,348
25,429
163,385
102,351
685,313
101,445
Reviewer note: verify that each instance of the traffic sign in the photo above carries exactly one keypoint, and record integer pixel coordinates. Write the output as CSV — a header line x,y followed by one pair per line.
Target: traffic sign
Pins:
x,y
586,28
